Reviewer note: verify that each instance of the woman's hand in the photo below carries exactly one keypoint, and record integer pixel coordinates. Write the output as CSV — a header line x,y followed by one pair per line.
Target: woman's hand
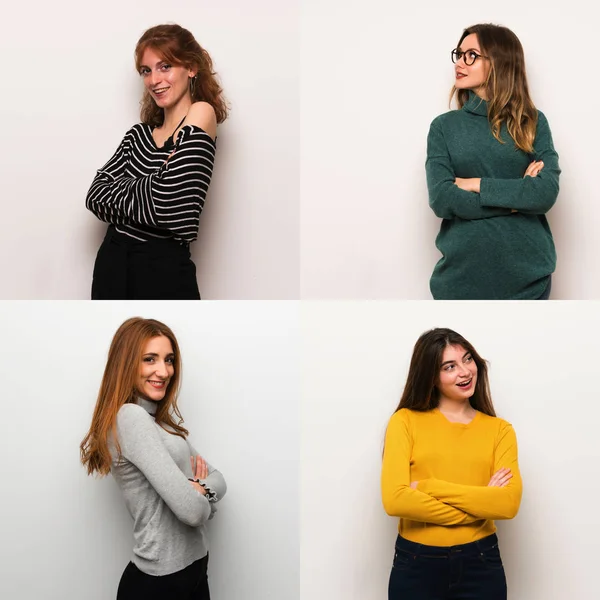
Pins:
x,y
534,168
469,185
500,478
200,471
199,488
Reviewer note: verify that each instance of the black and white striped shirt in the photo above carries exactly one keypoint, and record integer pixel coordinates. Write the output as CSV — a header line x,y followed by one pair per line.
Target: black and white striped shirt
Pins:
x,y
145,197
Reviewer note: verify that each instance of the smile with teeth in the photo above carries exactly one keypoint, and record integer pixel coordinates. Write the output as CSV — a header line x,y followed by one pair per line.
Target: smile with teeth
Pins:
x,y
465,383
160,91
157,384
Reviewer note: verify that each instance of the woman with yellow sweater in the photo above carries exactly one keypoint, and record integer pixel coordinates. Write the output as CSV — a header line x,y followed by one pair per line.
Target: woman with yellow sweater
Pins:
x,y
450,469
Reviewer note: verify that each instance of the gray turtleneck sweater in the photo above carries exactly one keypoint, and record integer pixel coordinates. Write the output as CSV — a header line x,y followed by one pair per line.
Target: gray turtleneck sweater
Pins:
x,y
488,251
169,515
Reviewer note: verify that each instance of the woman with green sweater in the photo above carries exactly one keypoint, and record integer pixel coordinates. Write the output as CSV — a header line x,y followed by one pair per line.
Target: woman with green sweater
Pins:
x,y
492,175
450,469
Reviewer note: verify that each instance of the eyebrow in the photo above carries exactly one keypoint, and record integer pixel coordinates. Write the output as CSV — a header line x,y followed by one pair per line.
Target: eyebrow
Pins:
x,y
160,62
453,361
155,354
467,50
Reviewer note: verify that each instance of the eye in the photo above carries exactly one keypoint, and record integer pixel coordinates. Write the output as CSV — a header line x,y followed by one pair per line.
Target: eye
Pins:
x,y
148,359
472,55
165,67
448,367
144,71
170,360
468,358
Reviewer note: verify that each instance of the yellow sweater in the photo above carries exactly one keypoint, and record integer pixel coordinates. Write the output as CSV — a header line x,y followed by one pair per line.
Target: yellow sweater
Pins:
x,y
453,464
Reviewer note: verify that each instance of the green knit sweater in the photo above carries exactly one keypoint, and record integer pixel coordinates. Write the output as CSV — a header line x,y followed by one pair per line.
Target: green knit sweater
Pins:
x,y
489,252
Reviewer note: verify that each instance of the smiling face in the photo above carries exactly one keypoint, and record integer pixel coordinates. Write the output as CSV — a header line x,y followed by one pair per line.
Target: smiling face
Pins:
x,y
156,368
471,77
458,374
167,84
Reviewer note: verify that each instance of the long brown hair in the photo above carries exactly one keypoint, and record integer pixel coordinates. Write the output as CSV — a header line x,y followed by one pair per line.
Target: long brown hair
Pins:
x,y
506,85
421,392
178,46
118,387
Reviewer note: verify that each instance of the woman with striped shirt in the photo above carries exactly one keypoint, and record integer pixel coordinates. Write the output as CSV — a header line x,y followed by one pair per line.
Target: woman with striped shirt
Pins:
x,y
152,191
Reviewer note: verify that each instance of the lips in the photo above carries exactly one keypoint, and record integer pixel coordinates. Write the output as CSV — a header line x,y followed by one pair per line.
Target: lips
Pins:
x,y
460,75
160,91
159,385
465,384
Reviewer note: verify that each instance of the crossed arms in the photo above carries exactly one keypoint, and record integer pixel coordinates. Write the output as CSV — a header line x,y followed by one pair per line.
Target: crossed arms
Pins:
x,y
482,198
443,502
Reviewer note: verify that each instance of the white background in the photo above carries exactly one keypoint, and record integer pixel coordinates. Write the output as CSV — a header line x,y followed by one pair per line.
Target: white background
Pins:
x,y
67,536
374,76
543,370
70,94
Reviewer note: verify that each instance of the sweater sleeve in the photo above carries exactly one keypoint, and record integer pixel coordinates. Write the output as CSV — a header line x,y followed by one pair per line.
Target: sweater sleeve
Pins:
x,y
141,445
482,501
446,199
399,499
214,483
112,171
170,198
531,195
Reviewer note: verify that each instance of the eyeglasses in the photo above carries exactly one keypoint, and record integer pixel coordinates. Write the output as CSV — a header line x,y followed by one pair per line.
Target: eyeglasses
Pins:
x,y
470,56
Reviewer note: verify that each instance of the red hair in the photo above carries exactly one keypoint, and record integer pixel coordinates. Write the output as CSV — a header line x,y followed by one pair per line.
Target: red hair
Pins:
x,y
178,46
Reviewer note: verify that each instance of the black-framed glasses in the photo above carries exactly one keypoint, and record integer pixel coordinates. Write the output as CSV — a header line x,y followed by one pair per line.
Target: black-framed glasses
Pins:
x,y
470,56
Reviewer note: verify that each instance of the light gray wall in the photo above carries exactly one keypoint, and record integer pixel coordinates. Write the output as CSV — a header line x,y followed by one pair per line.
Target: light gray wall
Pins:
x,y
67,536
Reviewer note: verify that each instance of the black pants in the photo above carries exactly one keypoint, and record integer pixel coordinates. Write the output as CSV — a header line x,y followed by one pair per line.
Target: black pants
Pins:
x,y
465,572
189,584
127,269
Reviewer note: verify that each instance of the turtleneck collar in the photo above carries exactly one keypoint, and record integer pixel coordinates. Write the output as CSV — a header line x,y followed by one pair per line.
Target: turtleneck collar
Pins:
x,y
476,105
148,405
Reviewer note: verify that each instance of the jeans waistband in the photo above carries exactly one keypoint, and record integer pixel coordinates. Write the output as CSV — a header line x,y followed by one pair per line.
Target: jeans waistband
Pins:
x,y
447,551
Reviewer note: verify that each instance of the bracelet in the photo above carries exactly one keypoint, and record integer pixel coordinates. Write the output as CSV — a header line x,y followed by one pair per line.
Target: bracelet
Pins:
x,y
194,480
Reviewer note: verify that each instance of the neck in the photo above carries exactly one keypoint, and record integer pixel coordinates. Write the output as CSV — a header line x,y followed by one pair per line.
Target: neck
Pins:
x,y
455,407
174,114
481,93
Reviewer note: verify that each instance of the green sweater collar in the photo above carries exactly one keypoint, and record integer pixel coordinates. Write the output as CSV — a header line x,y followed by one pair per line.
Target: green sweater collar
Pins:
x,y
476,105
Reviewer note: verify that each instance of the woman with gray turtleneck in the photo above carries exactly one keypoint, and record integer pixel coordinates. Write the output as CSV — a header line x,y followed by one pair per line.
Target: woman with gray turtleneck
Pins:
x,y
169,489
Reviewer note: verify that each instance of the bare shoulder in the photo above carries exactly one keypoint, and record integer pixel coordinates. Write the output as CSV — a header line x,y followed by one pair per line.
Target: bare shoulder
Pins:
x,y
202,114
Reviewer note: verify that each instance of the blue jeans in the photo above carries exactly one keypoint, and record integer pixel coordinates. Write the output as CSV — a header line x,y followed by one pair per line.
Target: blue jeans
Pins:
x,y
465,572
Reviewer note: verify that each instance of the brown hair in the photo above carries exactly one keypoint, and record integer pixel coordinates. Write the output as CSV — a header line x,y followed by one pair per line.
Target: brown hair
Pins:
x,y
178,46
118,387
421,392
506,85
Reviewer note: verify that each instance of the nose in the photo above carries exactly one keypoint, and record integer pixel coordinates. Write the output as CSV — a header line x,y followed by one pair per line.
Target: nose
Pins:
x,y
161,370
461,61
464,372
154,78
